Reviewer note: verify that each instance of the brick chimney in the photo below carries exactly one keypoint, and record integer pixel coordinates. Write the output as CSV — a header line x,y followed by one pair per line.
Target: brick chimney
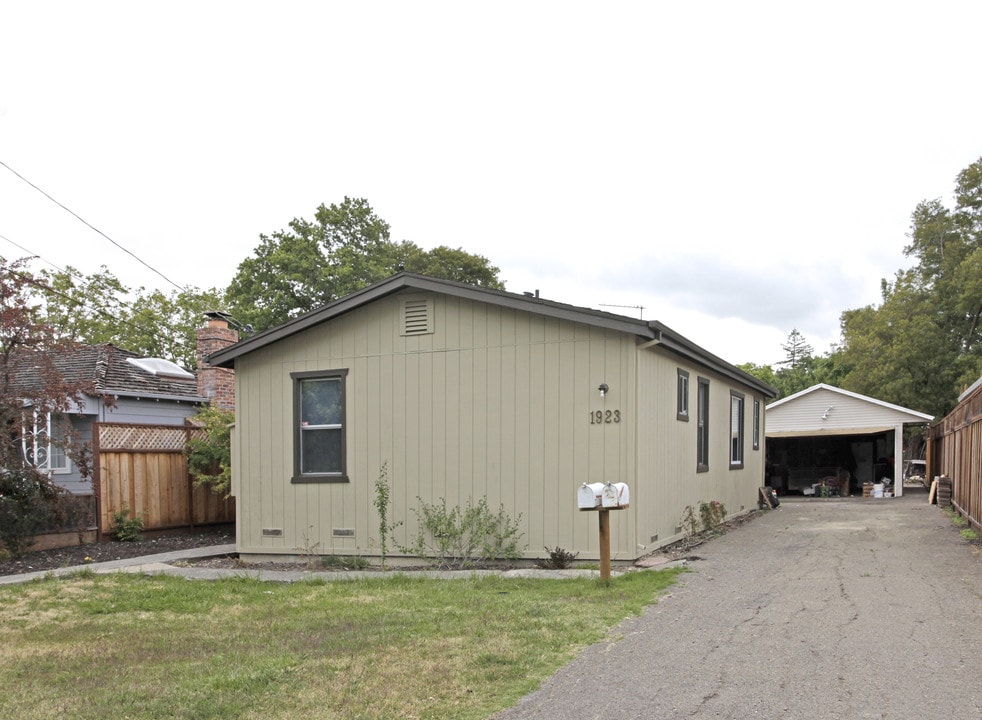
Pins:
x,y
216,384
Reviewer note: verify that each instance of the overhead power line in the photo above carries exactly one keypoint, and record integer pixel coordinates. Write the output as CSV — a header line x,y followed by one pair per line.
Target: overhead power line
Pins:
x,y
89,225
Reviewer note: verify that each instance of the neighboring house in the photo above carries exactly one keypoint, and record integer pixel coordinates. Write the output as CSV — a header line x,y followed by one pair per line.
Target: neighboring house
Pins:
x,y
954,451
462,393
125,389
825,432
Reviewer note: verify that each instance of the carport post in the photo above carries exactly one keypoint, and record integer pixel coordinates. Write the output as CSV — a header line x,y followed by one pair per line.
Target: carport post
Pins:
x,y
898,461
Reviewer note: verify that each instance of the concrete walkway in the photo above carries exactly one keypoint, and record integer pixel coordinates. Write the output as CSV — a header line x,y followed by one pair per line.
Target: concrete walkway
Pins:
x,y
845,608
172,563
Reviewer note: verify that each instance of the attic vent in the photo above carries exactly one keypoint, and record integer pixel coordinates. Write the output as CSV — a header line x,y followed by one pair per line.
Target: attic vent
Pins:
x,y
161,368
417,317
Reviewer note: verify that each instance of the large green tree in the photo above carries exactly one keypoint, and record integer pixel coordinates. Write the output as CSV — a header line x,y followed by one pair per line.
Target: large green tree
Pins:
x,y
923,343
343,249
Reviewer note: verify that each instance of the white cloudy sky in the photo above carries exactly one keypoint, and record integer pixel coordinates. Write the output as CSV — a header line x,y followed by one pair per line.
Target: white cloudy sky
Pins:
x,y
738,169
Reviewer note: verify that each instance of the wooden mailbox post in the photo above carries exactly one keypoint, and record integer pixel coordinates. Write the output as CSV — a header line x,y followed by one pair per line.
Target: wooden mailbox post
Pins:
x,y
602,498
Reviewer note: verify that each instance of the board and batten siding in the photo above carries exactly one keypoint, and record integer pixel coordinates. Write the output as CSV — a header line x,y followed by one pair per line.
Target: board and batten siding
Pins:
x,y
667,479
495,403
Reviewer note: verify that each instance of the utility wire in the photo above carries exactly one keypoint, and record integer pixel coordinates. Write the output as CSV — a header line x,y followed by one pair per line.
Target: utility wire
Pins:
x,y
71,271
85,222
44,287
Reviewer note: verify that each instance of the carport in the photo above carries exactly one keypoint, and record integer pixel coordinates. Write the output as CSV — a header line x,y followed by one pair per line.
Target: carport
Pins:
x,y
825,433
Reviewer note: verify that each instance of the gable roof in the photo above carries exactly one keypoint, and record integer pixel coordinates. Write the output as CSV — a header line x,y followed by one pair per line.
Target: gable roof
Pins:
x,y
107,370
647,332
825,409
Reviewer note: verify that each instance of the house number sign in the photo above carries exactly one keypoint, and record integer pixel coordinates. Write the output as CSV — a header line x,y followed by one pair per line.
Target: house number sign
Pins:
x,y
604,417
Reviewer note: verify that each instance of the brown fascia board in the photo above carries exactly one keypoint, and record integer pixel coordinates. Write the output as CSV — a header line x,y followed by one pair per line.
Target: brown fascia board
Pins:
x,y
671,340
645,331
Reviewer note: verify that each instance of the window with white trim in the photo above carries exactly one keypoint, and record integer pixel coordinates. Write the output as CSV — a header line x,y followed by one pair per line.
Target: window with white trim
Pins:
x,y
682,392
756,424
319,433
736,430
42,442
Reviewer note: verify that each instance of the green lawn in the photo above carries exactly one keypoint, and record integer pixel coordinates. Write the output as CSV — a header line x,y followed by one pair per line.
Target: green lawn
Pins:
x,y
133,646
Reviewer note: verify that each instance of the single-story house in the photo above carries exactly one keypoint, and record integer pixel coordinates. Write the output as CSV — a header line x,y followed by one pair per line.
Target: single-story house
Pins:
x,y
133,417
124,388
461,394
825,432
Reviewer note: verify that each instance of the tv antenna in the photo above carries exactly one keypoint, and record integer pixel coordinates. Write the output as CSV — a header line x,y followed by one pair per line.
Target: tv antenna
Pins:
x,y
640,308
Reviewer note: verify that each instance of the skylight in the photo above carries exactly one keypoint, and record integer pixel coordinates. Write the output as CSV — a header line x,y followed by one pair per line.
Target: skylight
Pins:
x,y
161,368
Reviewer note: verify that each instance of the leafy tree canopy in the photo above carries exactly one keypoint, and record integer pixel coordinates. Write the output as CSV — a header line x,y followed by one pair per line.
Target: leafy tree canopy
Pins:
x,y
921,346
98,308
343,249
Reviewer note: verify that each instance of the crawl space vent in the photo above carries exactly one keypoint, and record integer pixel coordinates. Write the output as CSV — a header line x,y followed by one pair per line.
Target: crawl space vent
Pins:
x,y
417,317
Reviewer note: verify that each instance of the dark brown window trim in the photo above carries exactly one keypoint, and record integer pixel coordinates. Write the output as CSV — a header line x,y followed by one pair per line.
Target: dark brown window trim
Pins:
x,y
702,425
300,478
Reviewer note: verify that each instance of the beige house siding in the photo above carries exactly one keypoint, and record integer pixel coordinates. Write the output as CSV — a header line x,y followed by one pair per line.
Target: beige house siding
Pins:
x,y
464,394
667,477
494,403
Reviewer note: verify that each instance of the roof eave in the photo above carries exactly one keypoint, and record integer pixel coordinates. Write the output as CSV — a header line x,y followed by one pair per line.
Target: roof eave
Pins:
x,y
402,281
671,340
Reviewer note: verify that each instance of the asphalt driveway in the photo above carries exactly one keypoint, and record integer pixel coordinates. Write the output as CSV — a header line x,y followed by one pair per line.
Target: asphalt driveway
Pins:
x,y
840,608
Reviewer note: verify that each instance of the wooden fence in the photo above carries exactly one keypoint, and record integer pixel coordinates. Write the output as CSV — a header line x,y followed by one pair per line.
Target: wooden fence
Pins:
x,y
955,450
143,469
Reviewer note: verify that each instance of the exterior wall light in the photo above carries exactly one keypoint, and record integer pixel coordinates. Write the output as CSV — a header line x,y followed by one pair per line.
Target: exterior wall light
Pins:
x,y
603,389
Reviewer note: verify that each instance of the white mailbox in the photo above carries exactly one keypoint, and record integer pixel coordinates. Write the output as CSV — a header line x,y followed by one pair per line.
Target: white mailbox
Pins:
x,y
615,495
588,496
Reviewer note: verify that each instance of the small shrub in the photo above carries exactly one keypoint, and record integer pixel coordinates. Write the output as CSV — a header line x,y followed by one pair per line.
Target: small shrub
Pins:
x,y
709,516
462,538
969,534
126,528
29,503
382,498
712,514
210,453
690,523
559,559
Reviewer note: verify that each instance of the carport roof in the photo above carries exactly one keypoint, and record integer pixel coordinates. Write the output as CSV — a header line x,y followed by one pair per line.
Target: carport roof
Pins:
x,y
826,410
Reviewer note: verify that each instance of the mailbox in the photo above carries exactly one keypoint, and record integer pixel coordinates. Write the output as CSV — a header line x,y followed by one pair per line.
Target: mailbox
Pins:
x,y
615,495
588,496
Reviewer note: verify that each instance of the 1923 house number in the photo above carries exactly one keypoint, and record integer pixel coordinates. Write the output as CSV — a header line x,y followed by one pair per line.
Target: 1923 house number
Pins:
x,y
604,417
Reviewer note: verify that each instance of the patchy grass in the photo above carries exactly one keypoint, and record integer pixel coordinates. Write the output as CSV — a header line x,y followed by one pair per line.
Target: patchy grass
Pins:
x,y
132,646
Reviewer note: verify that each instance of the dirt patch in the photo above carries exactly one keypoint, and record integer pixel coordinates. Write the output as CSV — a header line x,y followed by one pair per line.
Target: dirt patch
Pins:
x,y
43,560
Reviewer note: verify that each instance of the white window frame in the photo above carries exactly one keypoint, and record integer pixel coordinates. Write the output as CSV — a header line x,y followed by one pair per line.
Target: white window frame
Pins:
x,y
736,430
36,442
756,424
682,396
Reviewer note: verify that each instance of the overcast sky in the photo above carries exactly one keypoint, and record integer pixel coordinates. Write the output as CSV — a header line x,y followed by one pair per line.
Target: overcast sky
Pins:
x,y
737,169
